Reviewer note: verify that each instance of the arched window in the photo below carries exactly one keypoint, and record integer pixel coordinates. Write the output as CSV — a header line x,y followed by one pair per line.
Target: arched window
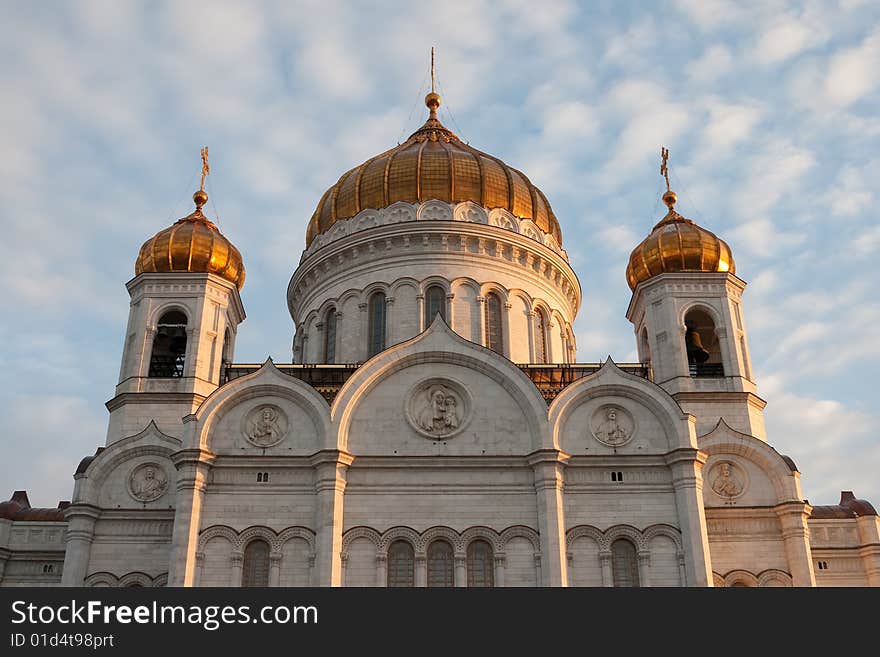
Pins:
x,y
624,563
330,336
376,311
255,571
540,337
480,564
492,319
401,564
441,565
702,344
645,346
169,346
435,302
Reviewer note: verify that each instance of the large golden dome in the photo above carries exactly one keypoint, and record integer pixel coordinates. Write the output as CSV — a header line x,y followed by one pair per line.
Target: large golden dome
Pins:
x,y
677,244
432,164
192,244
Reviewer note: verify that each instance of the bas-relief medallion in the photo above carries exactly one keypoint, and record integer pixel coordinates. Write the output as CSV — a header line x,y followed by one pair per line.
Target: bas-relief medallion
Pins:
x,y
265,425
612,425
727,480
438,408
147,482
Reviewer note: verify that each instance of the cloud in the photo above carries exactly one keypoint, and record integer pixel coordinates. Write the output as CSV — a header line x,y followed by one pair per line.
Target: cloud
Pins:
x,y
789,36
715,62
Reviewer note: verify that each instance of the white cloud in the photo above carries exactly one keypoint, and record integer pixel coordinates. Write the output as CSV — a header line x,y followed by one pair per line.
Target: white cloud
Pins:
x,y
852,73
714,63
787,37
728,125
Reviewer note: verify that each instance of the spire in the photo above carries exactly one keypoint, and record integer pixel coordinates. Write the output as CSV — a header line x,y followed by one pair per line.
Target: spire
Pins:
x,y
432,100
669,197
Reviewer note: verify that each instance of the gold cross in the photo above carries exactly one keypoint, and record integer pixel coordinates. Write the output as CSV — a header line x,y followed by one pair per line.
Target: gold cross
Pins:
x,y
432,69
664,171
206,168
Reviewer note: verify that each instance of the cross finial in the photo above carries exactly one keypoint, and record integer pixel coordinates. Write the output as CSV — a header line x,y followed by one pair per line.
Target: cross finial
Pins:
x,y
432,69
664,171
432,100
206,168
669,198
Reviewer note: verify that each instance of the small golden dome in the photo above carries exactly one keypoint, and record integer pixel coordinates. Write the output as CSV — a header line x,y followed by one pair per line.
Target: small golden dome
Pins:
x,y
677,244
192,244
433,163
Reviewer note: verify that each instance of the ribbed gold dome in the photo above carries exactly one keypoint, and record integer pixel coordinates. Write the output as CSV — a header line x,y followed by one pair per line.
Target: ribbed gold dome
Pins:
x,y
432,164
678,244
192,244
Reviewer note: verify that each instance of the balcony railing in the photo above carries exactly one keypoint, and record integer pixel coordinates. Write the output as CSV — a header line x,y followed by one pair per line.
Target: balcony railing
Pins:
x,y
166,367
701,370
328,380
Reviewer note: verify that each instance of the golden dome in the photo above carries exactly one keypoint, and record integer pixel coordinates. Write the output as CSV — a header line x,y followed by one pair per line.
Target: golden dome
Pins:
x,y
677,244
192,244
432,164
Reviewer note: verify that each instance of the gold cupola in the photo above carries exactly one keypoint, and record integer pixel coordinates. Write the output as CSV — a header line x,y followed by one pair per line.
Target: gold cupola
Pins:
x,y
433,163
677,244
192,244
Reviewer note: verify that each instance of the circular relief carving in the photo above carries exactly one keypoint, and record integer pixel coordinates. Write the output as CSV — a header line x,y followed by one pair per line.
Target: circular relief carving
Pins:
x,y
147,482
728,480
265,426
612,425
438,408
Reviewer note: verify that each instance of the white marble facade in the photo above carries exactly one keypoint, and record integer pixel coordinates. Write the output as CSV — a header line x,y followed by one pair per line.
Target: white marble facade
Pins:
x,y
437,460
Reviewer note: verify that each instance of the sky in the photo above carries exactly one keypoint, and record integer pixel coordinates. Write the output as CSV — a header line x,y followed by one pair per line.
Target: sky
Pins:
x,y
769,110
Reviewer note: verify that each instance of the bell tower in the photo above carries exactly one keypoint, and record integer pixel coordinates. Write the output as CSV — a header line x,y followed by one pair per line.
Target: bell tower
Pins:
x,y
686,310
184,315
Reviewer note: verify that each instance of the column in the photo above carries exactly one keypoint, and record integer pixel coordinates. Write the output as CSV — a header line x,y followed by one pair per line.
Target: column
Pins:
x,y
533,340
80,533
235,570
499,570
381,570
200,563
343,563
421,571
869,538
644,568
450,309
420,303
460,571
193,466
682,572
143,366
607,574
686,465
481,312
796,537
330,470
275,569
548,466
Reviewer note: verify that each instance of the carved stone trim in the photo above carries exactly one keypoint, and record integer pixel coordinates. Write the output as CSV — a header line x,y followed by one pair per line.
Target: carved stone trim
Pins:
x,y
438,408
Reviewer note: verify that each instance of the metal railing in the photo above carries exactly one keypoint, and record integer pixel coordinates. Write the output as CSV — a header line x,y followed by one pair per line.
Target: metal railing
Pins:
x,y
700,370
328,380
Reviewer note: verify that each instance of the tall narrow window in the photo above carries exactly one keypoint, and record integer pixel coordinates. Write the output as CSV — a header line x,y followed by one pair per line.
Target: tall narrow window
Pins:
x,y
480,564
376,312
255,570
435,303
540,337
169,346
492,320
330,336
441,565
624,563
401,564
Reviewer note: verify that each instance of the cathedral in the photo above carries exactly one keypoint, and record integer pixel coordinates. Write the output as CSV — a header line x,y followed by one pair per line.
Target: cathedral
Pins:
x,y
434,426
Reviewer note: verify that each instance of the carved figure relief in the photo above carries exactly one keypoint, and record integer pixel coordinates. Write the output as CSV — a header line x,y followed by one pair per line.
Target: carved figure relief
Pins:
x,y
147,482
265,426
727,480
437,408
612,425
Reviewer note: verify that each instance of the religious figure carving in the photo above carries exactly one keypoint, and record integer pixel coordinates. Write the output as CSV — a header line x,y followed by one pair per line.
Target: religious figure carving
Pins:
x,y
610,430
265,426
726,483
440,414
148,483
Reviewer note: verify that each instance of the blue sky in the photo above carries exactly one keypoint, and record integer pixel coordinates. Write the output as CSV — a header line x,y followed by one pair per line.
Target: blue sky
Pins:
x,y
769,110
